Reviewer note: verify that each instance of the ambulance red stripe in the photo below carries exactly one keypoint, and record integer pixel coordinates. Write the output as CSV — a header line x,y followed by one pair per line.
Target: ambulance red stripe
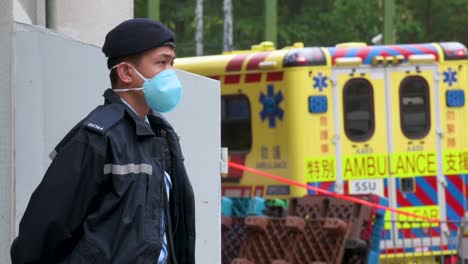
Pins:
x,y
255,60
232,79
423,197
235,64
338,54
457,182
402,51
402,200
363,53
432,181
253,77
454,204
274,76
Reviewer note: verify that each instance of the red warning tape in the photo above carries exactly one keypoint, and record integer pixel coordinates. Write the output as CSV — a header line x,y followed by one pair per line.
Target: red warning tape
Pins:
x,y
318,190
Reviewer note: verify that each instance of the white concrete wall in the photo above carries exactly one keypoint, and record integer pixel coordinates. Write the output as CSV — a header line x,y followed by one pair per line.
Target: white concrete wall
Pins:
x,y
198,122
58,81
6,126
88,20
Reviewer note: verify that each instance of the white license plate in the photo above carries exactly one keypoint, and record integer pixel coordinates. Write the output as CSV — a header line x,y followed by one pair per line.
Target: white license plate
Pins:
x,y
366,187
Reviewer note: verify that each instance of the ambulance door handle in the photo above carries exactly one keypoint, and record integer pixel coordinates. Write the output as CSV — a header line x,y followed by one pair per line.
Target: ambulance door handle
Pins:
x,y
440,133
443,181
336,139
339,187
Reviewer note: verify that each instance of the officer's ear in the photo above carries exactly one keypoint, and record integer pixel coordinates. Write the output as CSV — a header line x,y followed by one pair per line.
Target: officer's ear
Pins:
x,y
124,73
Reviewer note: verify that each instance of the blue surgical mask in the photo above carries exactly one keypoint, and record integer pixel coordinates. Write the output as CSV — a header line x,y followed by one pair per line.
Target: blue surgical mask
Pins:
x,y
162,92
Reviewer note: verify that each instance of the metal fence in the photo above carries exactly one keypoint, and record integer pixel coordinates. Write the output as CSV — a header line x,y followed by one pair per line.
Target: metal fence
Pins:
x,y
424,242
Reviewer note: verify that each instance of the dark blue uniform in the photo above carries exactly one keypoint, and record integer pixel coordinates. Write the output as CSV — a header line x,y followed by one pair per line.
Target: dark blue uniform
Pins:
x,y
101,199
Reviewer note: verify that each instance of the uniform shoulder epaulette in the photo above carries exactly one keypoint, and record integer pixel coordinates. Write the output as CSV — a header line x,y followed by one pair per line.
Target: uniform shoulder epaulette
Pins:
x,y
104,117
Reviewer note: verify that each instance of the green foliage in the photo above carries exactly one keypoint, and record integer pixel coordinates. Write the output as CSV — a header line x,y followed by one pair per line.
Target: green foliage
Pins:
x,y
313,22
433,20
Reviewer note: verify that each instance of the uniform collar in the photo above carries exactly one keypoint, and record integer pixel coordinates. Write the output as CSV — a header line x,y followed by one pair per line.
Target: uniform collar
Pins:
x,y
142,128
129,106
157,119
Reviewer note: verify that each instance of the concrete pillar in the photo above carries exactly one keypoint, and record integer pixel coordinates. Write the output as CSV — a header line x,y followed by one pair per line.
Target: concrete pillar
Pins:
x,y
6,129
29,12
87,20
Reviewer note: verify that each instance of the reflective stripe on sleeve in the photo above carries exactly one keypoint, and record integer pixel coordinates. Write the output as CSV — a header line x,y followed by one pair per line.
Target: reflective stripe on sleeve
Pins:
x,y
128,168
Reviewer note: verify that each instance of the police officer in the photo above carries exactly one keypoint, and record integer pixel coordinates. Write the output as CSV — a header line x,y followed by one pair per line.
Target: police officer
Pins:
x,y
117,190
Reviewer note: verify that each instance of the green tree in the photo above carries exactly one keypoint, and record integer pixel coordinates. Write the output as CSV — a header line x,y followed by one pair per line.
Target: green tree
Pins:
x,y
433,21
314,22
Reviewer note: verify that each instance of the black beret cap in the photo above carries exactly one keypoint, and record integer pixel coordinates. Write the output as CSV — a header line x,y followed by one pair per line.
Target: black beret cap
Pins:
x,y
135,36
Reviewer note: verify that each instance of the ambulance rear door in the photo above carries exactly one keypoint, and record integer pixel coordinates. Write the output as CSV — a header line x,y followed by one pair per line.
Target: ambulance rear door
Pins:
x,y
415,152
360,129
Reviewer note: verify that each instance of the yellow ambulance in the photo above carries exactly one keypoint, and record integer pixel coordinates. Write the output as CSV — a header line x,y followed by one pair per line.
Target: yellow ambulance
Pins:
x,y
353,119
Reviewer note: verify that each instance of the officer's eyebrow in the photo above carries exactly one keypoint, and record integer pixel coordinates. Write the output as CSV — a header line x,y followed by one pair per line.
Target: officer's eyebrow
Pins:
x,y
167,56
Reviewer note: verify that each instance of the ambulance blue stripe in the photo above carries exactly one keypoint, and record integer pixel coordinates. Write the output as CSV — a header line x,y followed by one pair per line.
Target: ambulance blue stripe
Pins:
x,y
313,184
387,235
464,180
319,185
400,234
391,51
397,183
352,52
374,52
454,191
412,49
417,232
413,199
451,214
430,192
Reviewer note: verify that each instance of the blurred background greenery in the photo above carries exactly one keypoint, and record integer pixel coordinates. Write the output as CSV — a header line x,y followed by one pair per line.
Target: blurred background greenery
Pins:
x,y
313,22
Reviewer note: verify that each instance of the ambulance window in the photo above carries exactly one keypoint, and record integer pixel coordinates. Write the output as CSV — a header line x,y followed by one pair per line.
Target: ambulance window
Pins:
x,y
414,107
407,185
358,100
236,130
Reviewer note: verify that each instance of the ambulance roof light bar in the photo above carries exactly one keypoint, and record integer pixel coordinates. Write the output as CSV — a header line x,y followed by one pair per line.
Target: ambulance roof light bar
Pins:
x,y
421,58
351,45
264,46
304,57
385,60
348,61
454,51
